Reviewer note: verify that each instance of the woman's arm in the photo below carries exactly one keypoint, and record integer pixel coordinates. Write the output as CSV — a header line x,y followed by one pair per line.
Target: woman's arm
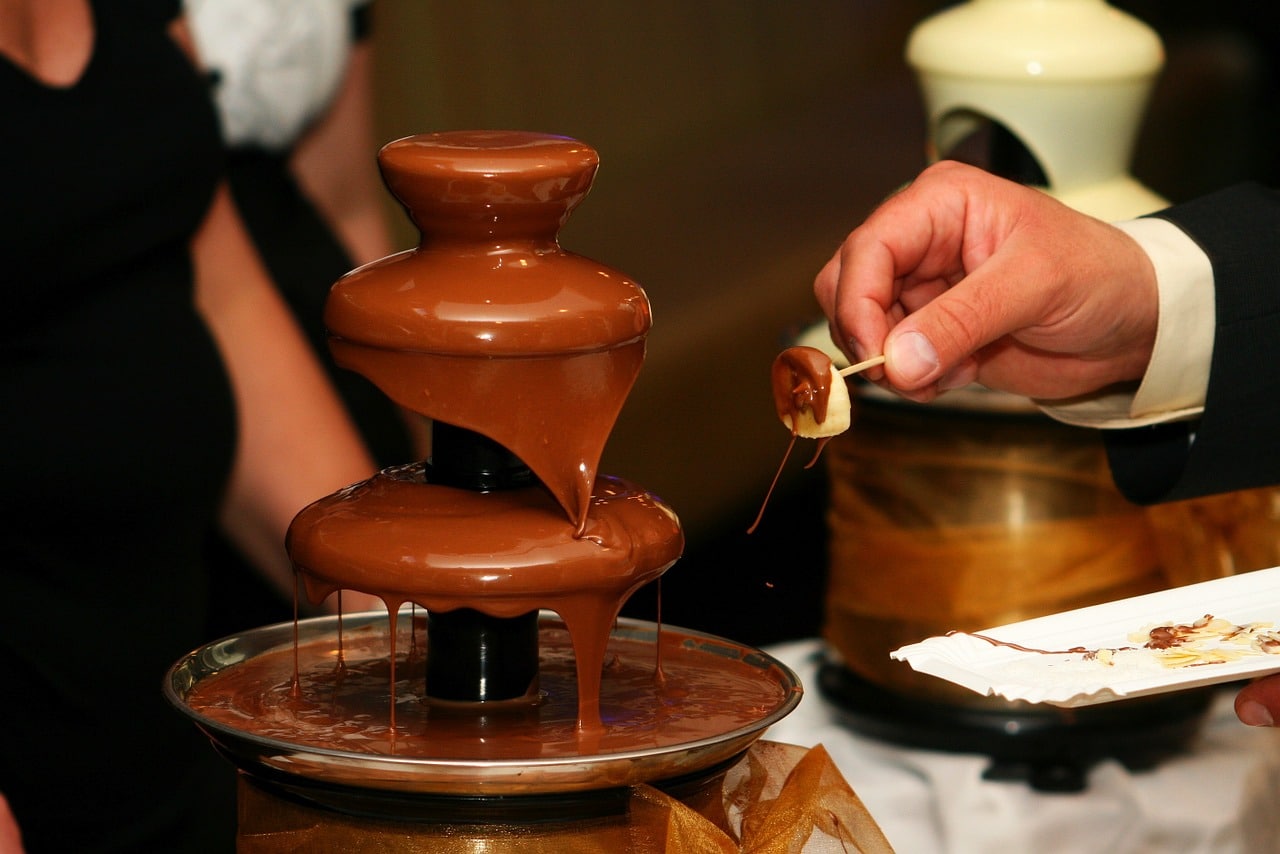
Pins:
x,y
336,166
296,442
10,835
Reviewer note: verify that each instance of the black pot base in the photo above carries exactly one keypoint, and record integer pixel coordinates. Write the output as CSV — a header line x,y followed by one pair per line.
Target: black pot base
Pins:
x,y
1048,748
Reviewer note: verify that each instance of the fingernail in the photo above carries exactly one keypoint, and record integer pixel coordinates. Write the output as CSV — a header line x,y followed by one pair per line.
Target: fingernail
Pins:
x,y
1254,713
912,356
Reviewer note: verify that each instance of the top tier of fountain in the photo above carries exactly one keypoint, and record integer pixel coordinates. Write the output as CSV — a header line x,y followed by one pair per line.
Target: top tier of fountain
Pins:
x,y
488,324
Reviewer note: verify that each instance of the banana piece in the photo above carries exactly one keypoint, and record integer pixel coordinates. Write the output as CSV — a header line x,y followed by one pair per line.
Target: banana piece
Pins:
x,y
810,395
805,423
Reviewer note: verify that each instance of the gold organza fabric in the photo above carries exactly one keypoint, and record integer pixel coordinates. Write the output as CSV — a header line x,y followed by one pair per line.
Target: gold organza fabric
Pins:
x,y
778,799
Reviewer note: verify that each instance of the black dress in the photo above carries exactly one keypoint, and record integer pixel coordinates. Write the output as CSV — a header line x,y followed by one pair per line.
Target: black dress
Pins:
x,y
304,258
117,428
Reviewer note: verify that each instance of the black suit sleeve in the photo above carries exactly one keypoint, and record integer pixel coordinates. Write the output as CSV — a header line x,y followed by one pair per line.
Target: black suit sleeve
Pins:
x,y
1236,442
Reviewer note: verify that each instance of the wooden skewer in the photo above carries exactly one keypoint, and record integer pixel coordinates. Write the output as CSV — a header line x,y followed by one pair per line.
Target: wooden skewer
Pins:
x,y
861,366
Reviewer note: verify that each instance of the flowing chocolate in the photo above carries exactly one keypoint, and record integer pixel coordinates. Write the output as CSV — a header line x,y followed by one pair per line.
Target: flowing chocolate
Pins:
x,y
502,553
489,324
491,327
801,380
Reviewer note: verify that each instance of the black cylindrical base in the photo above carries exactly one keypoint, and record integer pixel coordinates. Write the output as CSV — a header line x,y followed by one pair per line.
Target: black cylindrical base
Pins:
x,y
1048,748
468,460
472,657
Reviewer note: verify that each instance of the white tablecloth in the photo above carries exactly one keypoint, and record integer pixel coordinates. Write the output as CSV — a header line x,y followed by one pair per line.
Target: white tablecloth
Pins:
x,y
1222,796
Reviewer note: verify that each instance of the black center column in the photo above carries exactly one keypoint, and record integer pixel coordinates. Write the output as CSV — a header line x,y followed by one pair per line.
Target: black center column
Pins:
x,y
471,656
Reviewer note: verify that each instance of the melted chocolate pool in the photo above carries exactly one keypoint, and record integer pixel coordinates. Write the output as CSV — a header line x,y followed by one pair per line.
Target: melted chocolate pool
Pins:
x,y
340,701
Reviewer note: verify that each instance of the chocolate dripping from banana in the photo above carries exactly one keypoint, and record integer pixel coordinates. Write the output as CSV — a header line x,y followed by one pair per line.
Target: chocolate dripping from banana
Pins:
x,y
812,401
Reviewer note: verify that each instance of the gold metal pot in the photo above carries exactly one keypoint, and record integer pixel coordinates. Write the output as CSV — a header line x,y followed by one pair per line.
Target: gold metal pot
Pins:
x,y
967,515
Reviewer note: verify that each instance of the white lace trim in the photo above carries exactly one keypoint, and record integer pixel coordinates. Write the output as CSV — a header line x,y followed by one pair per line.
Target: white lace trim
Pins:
x,y
278,63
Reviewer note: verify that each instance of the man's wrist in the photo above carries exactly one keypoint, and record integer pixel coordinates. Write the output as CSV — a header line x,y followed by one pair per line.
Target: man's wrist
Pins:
x,y
1177,376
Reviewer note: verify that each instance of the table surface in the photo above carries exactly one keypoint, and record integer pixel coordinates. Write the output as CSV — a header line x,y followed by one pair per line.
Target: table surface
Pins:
x,y
1219,797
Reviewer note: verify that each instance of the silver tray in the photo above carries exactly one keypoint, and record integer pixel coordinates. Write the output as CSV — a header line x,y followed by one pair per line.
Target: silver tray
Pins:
x,y
478,777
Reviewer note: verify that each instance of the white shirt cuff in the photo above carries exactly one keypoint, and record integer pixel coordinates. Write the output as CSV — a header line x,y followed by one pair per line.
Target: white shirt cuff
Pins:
x,y
1177,376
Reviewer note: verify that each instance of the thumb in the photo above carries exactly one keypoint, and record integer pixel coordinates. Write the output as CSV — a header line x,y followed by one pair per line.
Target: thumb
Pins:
x,y
912,363
911,360
1258,703
936,343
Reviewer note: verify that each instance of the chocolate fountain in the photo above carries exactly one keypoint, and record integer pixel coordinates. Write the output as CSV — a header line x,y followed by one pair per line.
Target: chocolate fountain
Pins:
x,y
499,685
